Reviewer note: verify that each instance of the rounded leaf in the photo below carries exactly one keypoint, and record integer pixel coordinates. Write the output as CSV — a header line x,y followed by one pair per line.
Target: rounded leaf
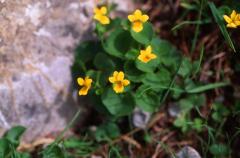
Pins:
x,y
118,104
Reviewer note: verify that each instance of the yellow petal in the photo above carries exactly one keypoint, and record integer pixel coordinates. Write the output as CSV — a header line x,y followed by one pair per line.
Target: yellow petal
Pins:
x,y
233,14
137,12
142,58
131,18
118,88
80,81
83,91
126,82
149,49
104,20
96,10
103,10
97,16
152,56
120,76
88,81
227,19
137,26
237,23
115,74
231,25
111,79
144,18
236,17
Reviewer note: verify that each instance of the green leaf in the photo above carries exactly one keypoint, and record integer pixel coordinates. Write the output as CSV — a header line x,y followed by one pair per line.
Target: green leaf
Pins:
x,y
98,105
118,104
159,80
145,36
192,101
147,99
107,131
53,152
4,147
181,122
132,54
186,67
126,24
87,50
118,43
219,112
81,147
218,18
166,53
132,73
103,62
14,134
197,124
219,150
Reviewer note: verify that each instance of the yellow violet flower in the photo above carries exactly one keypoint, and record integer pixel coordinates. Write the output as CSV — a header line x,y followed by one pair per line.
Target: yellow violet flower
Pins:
x,y
146,55
86,85
100,14
233,21
137,19
118,81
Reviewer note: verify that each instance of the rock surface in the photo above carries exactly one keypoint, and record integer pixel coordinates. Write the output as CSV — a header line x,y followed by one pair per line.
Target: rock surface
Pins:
x,y
37,39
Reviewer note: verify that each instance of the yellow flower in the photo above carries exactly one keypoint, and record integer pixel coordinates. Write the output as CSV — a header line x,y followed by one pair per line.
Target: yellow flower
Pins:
x,y
146,55
137,19
118,81
86,85
100,15
233,21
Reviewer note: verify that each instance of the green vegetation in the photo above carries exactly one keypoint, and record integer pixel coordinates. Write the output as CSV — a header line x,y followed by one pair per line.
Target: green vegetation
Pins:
x,y
170,76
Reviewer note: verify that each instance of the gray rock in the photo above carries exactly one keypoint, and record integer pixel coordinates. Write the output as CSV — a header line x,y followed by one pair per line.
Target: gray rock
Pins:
x,y
140,118
174,109
188,152
37,39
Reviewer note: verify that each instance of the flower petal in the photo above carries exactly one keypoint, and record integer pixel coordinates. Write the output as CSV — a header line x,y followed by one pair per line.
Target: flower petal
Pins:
x,y
126,82
231,25
131,18
142,58
233,14
237,23
227,19
138,12
80,81
96,11
149,49
144,18
103,10
118,88
104,20
120,76
88,82
112,79
152,56
137,26
83,91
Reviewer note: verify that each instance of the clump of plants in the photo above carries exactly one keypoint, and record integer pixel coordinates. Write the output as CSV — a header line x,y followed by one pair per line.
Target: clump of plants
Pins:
x,y
129,66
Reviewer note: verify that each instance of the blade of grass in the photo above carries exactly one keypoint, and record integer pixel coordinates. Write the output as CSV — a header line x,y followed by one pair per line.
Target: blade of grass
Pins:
x,y
163,98
219,21
198,27
60,136
180,25
207,87
200,60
